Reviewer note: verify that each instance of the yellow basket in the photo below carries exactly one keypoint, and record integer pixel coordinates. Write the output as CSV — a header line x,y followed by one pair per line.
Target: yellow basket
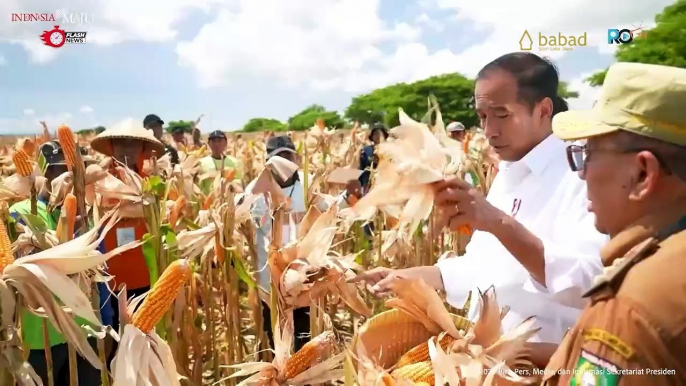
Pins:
x,y
390,334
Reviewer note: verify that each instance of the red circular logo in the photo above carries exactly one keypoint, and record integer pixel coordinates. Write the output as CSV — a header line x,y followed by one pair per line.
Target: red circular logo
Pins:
x,y
54,38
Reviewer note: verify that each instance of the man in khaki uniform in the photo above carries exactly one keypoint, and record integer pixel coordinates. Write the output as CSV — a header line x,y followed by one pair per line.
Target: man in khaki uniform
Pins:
x,y
633,332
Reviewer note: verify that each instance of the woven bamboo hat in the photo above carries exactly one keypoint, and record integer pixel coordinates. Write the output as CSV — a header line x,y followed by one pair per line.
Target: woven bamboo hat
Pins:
x,y
390,334
128,129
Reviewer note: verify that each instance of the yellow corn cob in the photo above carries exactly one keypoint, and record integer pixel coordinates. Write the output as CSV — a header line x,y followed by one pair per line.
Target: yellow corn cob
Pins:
x,y
416,372
420,353
22,163
66,138
6,256
162,295
312,353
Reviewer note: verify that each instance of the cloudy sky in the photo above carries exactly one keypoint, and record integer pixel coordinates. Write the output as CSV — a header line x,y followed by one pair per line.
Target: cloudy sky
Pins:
x,y
233,60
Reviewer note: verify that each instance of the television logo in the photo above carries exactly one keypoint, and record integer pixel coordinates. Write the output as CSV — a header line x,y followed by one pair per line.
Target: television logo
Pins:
x,y
57,37
625,36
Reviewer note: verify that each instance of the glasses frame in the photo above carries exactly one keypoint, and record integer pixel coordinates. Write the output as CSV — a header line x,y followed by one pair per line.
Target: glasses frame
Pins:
x,y
574,149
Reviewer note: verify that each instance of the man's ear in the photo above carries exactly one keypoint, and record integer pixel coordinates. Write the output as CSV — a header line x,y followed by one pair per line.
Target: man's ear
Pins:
x,y
546,108
647,175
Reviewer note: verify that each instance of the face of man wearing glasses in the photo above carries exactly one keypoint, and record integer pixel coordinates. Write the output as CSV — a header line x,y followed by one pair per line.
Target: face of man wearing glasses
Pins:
x,y
626,178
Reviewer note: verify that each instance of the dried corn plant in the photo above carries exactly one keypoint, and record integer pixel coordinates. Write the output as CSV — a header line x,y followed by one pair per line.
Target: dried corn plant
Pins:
x,y
206,326
420,341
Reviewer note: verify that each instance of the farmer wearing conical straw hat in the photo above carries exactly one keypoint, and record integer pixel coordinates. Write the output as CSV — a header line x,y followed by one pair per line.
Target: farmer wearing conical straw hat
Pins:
x,y
533,238
634,162
129,144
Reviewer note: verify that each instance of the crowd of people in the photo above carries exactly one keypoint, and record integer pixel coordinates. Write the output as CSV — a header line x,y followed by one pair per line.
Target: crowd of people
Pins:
x,y
584,226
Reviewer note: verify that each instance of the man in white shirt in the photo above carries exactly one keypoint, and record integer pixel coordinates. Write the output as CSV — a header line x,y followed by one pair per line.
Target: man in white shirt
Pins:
x,y
282,146
534,240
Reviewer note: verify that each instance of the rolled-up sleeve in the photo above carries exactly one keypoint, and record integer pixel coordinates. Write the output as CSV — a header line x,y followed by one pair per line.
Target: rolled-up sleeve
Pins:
x,y
568,267
572,249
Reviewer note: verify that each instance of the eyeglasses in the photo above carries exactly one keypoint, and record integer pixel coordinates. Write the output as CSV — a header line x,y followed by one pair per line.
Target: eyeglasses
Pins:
x,y
577,156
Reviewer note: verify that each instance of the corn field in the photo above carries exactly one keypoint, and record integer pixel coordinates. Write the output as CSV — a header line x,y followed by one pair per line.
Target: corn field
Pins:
x,y
201,322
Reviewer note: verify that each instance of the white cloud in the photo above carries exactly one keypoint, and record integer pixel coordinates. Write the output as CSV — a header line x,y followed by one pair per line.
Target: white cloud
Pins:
x,y
85,109
587,94
30,124
107,22
3,61
293,42
29,112
314,43
426,20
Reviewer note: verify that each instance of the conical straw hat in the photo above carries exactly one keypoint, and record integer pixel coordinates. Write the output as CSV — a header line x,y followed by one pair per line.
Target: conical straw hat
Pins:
x,y
390,334
129,129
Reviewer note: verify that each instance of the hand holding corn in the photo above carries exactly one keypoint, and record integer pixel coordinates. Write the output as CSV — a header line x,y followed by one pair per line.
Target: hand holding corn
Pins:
x,y
458,204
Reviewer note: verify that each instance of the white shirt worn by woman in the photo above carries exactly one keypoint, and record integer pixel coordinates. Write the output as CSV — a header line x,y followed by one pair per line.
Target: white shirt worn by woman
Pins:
x,y
546,197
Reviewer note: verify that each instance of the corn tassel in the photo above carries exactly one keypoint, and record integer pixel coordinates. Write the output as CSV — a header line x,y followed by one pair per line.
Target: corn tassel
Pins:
x,y
6,256
68,216
420,353
162,295
312,353
179,205
66,138
22,163
417,372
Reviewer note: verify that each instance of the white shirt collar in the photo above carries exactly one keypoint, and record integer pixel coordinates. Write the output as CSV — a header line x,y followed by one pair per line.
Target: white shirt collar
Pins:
x,y
538,159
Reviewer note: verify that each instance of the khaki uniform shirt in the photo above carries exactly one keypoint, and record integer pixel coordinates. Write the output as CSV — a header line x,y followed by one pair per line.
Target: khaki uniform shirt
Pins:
x,y
633,332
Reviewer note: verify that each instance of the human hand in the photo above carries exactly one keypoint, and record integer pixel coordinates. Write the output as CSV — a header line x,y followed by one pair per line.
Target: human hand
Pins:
x,y
458,204
377,280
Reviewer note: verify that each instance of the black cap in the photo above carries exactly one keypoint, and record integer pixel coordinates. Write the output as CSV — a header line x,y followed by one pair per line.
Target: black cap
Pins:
x,y
216,134
152,118
279,143
379,127
53,154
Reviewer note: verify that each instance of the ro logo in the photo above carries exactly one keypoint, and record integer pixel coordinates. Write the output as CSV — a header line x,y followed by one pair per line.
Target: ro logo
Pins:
x,y
623,36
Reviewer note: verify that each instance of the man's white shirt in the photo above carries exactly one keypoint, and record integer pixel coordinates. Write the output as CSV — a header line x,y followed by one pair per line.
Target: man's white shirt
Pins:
x,y
541,193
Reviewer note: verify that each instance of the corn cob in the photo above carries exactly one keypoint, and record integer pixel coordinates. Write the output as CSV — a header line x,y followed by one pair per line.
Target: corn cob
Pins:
x,y
420,353
22,163
68,216
312,353
162,295
66,138
416,372
176,210
29,147
387,380
465,230
208,202
6,256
